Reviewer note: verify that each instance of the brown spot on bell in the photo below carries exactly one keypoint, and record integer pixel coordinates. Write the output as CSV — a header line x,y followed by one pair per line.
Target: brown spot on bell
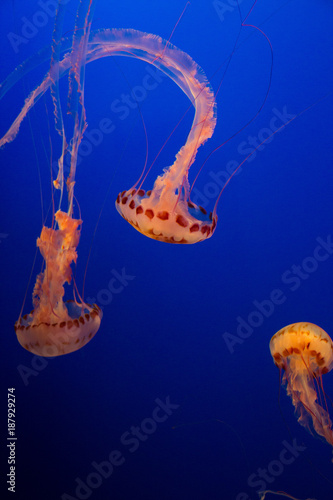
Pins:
x,y
164,215
149,213
181,221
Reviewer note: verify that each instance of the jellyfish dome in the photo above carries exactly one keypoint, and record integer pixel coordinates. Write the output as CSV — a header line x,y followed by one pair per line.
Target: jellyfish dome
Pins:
x,y
305,352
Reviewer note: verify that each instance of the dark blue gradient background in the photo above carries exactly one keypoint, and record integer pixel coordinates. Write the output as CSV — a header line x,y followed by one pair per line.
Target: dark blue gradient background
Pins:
x,y
163,334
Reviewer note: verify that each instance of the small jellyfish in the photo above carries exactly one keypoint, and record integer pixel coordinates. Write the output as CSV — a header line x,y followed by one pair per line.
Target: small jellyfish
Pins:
x,y
305,353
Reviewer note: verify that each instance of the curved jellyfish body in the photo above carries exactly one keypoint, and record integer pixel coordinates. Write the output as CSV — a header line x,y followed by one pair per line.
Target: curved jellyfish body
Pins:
x,y
305,352
164,213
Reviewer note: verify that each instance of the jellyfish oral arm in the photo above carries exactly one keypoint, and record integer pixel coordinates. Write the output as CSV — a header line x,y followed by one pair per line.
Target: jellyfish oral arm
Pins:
x,y
58,248
305,400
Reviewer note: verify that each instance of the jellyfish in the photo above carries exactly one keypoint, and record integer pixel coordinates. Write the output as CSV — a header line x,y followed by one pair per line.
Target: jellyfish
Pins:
x,y
56,327
165,212
305,352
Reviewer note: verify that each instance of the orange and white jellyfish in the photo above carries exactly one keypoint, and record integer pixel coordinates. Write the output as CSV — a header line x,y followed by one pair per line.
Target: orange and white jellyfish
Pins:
x,y
305,352
165,212
55,327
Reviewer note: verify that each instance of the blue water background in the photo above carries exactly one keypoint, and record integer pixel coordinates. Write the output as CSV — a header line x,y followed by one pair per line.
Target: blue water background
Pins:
x,y
163,335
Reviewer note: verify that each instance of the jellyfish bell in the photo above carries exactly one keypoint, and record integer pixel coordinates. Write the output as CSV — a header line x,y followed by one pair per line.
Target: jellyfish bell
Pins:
x,y
165,218
305,352
306,346
77,325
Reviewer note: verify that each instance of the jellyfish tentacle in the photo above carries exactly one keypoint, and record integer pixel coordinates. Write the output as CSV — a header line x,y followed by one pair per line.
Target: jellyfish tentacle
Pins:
x,y
54,87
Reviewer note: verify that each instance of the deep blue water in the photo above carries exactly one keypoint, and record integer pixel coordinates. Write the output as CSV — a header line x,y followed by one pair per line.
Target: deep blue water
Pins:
x,y
163,336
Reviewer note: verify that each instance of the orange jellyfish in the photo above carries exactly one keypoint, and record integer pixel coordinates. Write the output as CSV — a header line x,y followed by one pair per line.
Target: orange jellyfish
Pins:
x,y
165,213
305,353
55,327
